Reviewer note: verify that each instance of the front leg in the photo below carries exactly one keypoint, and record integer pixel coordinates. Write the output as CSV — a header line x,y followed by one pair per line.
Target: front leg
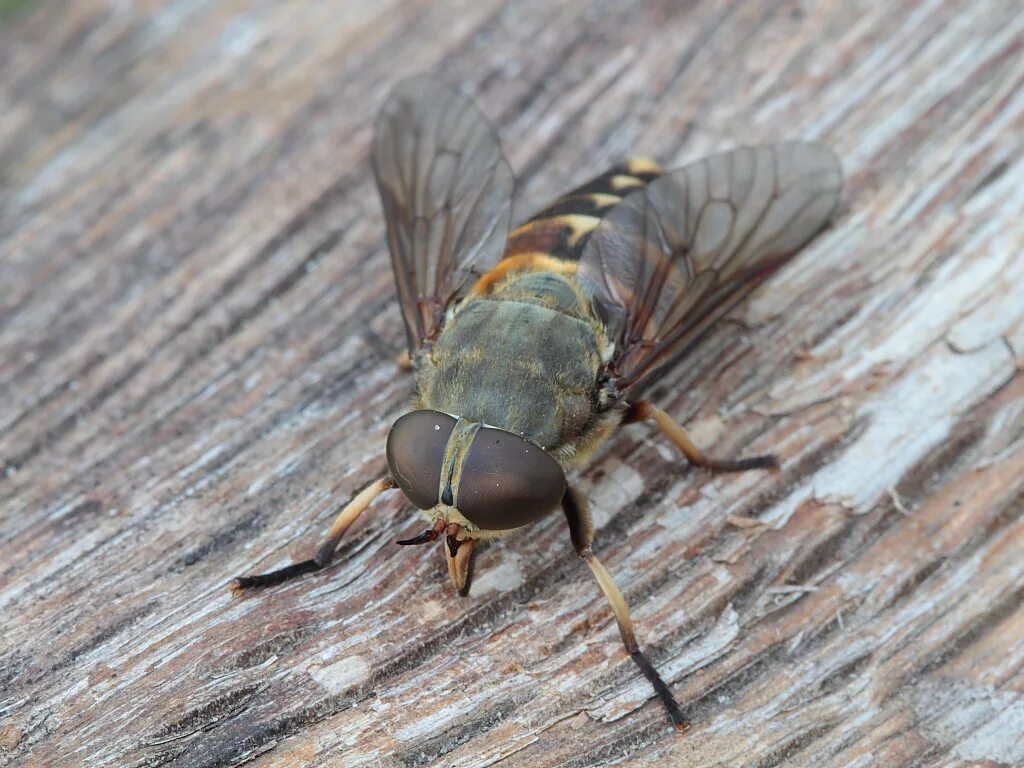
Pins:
x,y
645,410
459,556
342,522
582,533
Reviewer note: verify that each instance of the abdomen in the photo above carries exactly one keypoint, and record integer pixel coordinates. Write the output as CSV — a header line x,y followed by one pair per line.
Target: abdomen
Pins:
x,y
561,230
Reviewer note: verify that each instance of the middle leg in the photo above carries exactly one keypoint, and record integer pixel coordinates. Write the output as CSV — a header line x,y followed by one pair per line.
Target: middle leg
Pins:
x,y
582,533
644,410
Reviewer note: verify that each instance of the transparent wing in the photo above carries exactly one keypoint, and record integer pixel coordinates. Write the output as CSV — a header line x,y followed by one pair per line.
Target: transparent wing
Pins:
x,y
446,190
670,260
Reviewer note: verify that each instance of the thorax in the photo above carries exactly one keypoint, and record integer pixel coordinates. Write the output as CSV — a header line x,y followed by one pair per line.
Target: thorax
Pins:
x,y
525,357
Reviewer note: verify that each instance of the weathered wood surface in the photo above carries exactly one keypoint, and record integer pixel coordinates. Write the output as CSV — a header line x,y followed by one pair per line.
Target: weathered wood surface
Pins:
x,y
197,328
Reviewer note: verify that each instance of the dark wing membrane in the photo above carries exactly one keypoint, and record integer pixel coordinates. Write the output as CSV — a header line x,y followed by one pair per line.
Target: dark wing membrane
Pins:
x,y
670,260
447,190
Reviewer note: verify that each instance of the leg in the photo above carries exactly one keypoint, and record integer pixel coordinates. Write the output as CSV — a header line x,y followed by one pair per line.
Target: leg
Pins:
x,y
582,534
460,563
345,518
647,411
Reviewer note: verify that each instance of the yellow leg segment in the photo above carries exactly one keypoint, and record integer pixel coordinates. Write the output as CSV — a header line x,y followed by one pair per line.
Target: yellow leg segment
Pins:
x,y
581,531
646,411
348,515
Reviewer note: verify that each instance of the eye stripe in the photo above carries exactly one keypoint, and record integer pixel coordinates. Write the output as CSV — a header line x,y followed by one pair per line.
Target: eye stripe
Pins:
x,y
455,452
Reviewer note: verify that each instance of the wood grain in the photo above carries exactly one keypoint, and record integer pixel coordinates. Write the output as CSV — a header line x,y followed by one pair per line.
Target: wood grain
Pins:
x,y
197,332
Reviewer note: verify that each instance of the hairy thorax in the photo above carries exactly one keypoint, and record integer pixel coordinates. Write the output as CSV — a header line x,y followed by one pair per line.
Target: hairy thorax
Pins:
x,y
525,357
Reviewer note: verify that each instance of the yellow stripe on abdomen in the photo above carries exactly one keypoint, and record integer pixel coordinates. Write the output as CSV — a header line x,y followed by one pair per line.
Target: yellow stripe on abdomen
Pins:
x,y
561,230
528,261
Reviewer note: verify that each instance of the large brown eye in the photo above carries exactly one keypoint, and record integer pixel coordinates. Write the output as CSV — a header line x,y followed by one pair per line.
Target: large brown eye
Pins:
x,y
508,481
415,451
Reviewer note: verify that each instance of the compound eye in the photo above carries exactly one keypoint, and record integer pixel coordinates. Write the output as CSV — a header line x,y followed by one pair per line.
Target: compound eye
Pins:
x,y
415,452
508,481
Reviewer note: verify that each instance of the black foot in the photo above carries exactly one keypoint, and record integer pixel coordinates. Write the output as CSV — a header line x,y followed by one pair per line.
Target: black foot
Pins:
x,y
273,578
768,461
667,699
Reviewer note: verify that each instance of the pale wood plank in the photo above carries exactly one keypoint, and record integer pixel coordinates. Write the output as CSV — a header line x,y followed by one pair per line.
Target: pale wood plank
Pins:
x,y
197,329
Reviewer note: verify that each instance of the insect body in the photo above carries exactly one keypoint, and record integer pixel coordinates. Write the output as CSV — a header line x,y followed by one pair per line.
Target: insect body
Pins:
x,y
531,347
